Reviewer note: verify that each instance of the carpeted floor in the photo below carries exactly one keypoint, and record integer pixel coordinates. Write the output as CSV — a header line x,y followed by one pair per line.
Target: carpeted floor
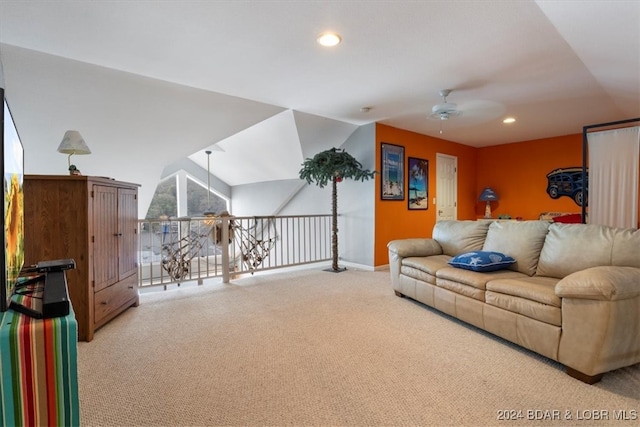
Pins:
x,y
317,348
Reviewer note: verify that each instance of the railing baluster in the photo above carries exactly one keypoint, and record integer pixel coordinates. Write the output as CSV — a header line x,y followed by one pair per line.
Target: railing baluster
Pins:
x,y
185,249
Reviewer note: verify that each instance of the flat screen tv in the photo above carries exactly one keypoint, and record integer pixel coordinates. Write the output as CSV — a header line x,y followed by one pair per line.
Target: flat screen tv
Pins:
x,y
13,214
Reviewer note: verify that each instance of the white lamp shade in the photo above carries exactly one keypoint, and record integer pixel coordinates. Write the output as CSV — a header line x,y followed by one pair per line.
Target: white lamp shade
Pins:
x,y
73,143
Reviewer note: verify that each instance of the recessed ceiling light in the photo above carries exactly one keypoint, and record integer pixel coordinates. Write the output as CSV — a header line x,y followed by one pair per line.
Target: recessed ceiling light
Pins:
x,y
329,39
509,120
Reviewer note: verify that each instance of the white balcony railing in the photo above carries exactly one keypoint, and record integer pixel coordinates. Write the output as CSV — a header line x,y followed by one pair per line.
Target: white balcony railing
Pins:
x,y
178,250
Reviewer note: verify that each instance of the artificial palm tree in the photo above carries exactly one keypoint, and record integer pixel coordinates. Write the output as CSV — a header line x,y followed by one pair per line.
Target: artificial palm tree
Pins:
x,y
333,165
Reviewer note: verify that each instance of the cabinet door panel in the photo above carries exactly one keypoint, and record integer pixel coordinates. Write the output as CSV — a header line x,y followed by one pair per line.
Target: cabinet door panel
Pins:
x,y
105,238
128,228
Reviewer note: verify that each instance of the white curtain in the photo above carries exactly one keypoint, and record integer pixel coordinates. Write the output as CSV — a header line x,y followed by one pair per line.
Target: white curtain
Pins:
x,y
613,177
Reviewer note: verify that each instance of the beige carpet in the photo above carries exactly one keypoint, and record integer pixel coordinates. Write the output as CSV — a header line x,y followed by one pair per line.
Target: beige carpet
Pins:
x,y
326,349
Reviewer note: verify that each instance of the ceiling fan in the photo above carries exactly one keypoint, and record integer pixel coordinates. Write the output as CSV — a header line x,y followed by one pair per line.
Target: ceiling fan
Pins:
x,y
473,112
446,109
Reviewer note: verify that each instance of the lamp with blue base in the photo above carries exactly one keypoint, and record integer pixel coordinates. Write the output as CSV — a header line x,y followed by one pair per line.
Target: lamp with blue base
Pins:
x,y
488,195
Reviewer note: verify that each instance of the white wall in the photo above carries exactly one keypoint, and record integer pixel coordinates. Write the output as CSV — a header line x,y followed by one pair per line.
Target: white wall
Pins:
x,y
356,202
263,198
138,128
135,126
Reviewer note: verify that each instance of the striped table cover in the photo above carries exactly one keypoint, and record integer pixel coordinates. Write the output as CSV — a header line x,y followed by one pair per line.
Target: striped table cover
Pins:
x,y
39,374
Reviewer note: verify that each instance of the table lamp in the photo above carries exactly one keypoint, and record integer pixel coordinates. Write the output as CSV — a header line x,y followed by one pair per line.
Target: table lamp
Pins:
x,y
73,143
488,195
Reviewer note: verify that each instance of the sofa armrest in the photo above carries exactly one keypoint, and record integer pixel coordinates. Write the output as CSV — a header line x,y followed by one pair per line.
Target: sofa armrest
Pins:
x,y
404,248
605,283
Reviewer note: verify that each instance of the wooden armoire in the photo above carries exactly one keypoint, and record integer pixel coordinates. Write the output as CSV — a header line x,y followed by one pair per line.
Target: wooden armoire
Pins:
x,y
93,220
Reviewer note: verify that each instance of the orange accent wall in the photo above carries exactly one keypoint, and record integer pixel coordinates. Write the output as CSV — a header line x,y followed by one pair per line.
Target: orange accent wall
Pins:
x,y
393,219
517,172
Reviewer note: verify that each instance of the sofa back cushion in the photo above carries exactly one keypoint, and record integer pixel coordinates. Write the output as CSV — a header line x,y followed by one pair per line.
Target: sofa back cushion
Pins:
x,y
573,247
521,240
626,248
456,237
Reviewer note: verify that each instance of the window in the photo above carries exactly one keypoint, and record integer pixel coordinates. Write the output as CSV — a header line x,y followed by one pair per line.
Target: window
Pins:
x,y
165,199
198,203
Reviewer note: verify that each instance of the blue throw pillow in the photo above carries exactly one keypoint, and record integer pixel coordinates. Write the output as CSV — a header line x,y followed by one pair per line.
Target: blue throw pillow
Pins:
x,y
482,261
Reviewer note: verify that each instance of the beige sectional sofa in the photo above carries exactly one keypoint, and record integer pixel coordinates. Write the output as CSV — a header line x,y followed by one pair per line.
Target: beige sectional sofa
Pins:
x,y
572,295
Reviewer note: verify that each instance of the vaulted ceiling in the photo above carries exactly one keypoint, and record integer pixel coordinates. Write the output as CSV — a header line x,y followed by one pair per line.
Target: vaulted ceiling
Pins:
x,y
176,78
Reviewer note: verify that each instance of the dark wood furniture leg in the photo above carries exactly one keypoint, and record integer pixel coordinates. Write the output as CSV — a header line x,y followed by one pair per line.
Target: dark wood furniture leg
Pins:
x,y
589,379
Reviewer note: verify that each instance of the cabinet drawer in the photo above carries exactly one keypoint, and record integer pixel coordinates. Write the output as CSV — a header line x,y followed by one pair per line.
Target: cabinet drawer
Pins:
x,y
109,300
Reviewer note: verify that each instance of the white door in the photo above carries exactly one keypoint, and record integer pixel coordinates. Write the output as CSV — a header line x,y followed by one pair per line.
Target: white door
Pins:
x,y
446,187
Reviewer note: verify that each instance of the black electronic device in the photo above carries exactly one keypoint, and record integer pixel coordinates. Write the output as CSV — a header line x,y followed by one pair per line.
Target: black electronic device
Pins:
x,y
55,300
55,265
47,295
44,290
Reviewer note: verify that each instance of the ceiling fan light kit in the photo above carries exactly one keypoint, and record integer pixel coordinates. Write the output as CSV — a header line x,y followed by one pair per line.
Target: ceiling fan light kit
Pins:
x,y
446,109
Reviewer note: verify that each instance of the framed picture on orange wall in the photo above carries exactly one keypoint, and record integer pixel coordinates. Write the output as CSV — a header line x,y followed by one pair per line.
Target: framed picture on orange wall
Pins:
x,y
418,182
392,172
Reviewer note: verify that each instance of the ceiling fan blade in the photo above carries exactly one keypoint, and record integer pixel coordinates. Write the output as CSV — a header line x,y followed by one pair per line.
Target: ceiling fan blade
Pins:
x,y
481,110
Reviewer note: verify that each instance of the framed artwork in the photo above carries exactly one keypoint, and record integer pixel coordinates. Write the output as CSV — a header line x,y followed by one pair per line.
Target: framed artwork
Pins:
x,y
392,172
418,180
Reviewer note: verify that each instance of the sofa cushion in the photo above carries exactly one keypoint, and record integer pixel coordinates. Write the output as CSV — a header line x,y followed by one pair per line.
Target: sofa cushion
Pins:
x,y
473,278
461,289
540,289
469,283
533,297
626,248
456,237
427,264
424,268
573,247
482,261
522,240
526,307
